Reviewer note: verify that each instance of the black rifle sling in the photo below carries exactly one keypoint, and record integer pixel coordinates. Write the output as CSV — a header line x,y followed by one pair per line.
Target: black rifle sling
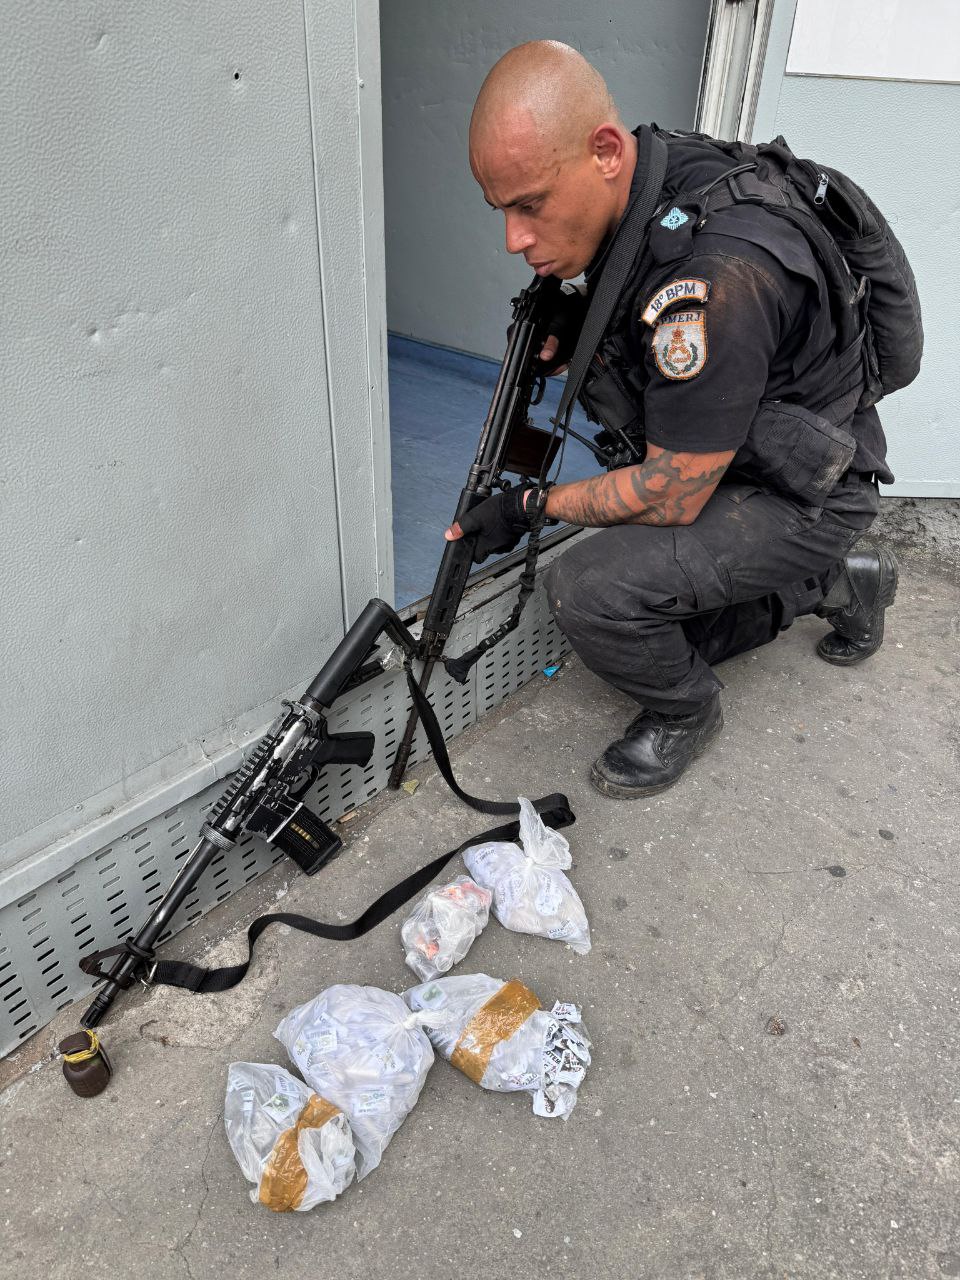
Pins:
x,y
620,257
176,973
459,668
554,809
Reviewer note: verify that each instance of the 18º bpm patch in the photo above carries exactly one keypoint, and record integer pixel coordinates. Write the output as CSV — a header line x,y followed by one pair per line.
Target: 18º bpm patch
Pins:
x,y
674,294
680,345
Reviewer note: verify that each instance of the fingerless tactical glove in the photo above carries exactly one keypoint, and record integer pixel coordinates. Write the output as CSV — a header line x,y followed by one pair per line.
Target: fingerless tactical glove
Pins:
x,y
501,520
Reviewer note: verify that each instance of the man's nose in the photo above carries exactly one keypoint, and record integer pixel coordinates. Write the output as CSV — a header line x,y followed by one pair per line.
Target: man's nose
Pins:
x,y
519,237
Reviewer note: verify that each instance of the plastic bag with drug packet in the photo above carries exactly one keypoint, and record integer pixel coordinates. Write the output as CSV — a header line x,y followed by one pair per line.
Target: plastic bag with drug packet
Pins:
x,y
364,1050
531,894
295,1147
442,927
498,1035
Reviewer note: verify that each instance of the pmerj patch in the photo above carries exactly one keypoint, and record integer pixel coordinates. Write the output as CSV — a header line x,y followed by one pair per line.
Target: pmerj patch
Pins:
x,y
680,345
691,289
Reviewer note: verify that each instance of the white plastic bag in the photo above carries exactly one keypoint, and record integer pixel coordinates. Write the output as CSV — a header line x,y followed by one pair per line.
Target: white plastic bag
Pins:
x,y
531,894
295,1147
499,1037
442,927
364,1050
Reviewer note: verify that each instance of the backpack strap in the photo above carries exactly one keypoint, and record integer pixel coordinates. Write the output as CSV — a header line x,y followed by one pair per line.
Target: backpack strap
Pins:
x,y
745,185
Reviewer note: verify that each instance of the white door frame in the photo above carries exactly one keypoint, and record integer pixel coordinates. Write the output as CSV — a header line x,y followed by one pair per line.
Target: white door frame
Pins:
x,y
733,61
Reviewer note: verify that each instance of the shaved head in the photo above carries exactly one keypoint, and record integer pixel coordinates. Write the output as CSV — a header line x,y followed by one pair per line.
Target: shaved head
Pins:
x,y
549,149
546,90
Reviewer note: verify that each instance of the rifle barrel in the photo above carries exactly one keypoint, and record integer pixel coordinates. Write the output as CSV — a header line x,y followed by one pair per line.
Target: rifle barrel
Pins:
x,y
166,908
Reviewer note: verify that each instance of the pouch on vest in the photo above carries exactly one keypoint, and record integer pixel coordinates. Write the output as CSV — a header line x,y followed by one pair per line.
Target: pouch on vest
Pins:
x,y
606,400
795,452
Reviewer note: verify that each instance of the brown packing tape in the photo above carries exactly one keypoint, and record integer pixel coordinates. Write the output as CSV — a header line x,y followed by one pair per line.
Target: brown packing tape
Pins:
x,y
493,1022
284,1179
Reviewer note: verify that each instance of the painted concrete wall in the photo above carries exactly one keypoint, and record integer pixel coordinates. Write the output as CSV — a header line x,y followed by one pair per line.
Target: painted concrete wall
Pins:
x,y
449,278
194,496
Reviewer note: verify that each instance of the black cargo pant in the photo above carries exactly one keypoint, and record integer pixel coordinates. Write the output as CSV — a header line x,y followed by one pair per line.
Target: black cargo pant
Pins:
x,y
651,609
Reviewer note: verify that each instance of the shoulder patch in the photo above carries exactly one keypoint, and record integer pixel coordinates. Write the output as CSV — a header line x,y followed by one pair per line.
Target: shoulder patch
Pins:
x,y
680,345
674,219
690,290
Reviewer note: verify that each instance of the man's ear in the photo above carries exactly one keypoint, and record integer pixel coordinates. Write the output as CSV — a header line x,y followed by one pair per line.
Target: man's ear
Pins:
x,y
606,143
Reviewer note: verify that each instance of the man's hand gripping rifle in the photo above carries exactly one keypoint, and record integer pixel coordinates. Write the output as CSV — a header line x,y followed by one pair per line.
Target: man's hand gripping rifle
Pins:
x,y
509,443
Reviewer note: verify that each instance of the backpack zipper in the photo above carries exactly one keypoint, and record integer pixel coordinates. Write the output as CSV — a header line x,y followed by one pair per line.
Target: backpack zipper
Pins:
x,y
821,192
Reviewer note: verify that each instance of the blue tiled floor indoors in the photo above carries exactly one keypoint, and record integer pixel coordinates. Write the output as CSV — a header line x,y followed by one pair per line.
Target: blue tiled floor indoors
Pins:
x,y
438,401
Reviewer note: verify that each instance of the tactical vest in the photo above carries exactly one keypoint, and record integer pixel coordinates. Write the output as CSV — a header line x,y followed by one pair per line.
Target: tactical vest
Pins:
x,y
803,447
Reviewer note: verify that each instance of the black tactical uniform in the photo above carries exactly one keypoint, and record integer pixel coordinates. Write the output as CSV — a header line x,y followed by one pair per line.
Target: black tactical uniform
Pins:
x,y
722,340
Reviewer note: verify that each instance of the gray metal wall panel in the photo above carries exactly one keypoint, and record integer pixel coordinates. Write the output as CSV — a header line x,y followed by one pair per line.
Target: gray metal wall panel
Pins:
x,y
169,511
342,39
448,275
106,895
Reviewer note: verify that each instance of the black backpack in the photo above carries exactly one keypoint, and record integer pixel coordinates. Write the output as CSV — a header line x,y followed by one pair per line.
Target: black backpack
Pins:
x,y
870,282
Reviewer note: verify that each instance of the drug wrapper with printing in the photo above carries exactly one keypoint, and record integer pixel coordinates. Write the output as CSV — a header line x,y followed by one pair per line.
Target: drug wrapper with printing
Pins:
x,y
497,1034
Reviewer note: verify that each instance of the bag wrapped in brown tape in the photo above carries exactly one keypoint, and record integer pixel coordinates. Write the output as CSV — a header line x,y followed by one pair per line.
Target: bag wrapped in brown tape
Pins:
x,y
497,1034
294,1146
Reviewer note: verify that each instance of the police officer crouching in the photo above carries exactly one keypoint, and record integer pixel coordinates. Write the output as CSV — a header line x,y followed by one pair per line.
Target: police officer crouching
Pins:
x,y
725,355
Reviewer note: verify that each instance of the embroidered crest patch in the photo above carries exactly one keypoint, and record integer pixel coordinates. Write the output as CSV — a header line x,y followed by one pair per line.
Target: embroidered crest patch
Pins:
x,y
680,345
693,290
674,219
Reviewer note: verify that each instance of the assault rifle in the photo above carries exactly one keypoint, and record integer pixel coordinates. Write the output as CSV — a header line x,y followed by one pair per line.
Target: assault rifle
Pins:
x,y
266,798
509,444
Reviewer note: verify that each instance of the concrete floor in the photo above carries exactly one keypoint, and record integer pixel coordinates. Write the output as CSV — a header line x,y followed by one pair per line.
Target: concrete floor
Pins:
x,y
804,871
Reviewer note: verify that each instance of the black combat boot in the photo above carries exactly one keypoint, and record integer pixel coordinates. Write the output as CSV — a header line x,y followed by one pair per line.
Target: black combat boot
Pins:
x,y
855,604
655,750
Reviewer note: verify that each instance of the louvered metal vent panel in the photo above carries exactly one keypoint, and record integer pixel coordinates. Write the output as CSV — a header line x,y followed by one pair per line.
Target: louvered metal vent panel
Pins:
x,y
105,897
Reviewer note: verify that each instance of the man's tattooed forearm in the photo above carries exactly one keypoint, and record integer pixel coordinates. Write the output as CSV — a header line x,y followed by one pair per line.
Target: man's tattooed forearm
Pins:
x,y
666,489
